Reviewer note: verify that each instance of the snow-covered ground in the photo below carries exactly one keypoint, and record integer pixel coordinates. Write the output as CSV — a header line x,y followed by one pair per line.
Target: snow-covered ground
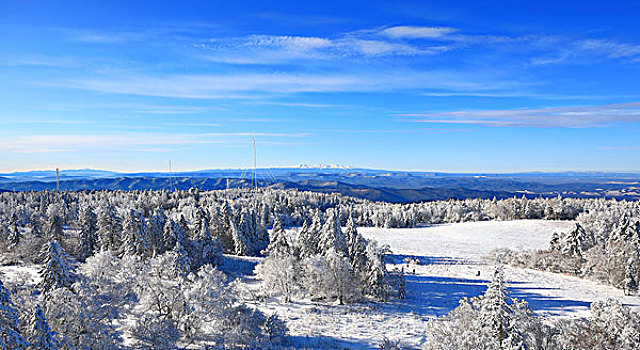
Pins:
x,y
468,240
450,258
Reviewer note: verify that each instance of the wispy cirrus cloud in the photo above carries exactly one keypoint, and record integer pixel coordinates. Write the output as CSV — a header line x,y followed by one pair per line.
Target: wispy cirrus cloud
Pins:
x,y
133,141
583,50
260,85
265,49
418,32
563,117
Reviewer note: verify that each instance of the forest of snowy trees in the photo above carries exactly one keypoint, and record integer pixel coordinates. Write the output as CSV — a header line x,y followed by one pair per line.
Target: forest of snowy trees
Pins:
x,y
139,269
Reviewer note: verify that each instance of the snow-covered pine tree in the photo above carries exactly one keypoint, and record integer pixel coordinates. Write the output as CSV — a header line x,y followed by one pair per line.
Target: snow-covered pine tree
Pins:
x,y
136,236
87,237
573,241
307,241
184,226
109,228
356,246
54,224
554,243
225,231
181,261
331,236
42,337
243,239
173,233
278,245
630,283
156,231
57,270
493,321
10,334
375,283
15,235
496,316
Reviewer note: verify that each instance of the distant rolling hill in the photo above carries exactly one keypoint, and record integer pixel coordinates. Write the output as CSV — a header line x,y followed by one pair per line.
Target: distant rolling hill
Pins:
x,y
377,185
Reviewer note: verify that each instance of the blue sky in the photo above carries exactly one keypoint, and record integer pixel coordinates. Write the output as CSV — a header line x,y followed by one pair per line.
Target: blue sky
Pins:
x,y
479,86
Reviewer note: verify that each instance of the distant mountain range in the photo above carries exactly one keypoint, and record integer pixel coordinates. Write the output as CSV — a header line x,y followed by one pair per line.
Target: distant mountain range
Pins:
x,y
378,185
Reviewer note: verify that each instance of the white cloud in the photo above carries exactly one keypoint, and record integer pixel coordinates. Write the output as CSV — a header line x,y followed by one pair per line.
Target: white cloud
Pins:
x,y
417,32
261,85
569,117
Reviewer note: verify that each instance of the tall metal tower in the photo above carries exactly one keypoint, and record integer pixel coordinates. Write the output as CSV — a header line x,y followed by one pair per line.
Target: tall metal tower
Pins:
x,y
57,179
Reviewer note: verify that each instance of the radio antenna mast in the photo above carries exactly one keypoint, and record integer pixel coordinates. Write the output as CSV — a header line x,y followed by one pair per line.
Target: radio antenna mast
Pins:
x,y
57,179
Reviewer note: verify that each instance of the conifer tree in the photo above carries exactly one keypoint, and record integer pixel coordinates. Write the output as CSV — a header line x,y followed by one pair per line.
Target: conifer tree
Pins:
x,y
136,236
278,245
10,334
307,241
630,278
57,270
109,228
242,235
331,236
54,225
156,231
42,337
181,262
88,238
572,244
15,236
356,247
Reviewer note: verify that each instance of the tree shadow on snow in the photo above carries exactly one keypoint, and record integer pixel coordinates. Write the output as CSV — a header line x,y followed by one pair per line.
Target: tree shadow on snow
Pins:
x,y
237,266
548,305
438,295
324,342
435,295
399,259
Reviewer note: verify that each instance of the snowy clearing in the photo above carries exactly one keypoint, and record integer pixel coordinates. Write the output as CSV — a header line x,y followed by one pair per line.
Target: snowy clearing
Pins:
x,y
450,258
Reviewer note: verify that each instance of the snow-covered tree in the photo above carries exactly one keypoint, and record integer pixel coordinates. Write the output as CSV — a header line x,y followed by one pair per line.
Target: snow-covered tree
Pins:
x,y
54,224
279,274
15,235
10,334
42,337
136,238
181,261
109,228
57,270
278,245
630,278
307,241
87,237
573,242
331,236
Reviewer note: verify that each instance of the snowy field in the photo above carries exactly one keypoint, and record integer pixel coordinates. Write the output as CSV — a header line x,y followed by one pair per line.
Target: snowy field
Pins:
x,y
450,258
